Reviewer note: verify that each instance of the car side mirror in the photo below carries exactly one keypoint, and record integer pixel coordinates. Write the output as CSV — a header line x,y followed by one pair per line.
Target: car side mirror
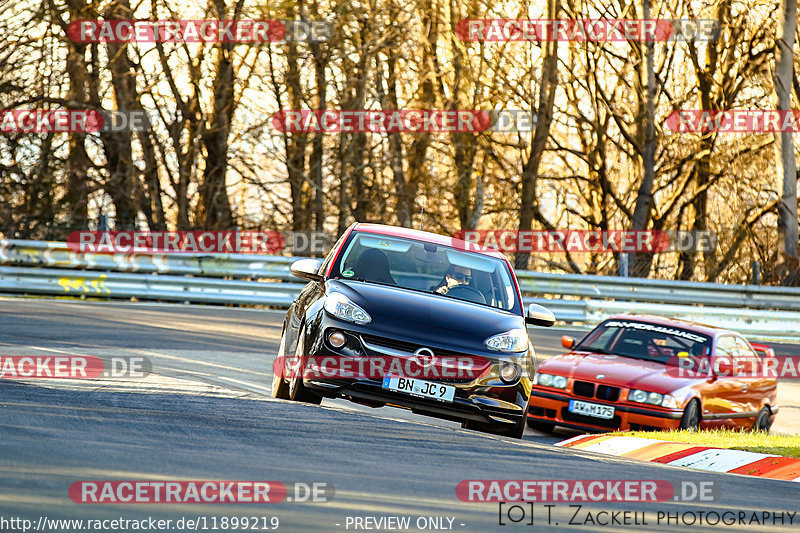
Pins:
x,y
539,315
306,269
567,341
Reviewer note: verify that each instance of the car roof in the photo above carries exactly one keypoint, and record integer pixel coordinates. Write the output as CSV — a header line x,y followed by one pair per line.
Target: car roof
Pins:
x,y
426,236
697,327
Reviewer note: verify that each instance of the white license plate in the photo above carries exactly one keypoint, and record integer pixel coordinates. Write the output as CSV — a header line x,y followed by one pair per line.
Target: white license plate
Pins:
x,y
591,409
419,387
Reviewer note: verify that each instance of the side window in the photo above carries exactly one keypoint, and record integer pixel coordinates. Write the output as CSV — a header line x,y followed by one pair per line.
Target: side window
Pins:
x,y
729,349
748,358
726,347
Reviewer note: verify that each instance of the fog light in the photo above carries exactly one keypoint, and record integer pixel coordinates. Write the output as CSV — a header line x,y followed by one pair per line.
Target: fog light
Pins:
x,y
337,339
509,373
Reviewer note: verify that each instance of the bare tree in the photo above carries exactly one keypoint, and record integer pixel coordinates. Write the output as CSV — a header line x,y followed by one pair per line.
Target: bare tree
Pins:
x,y
786,166
529,209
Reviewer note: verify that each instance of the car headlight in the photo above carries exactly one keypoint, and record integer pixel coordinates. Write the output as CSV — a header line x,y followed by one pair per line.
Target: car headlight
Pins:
x,y
669,401
559,382
550,380
638,396
340,306
515,340
653,398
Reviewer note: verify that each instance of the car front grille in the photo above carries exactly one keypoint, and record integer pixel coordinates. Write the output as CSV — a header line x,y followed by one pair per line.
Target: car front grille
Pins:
x,y
583,388
409,349
407,346
586,389
609,394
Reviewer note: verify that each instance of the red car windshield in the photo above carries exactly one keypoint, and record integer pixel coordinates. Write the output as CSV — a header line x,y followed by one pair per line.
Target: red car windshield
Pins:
x,y
644,340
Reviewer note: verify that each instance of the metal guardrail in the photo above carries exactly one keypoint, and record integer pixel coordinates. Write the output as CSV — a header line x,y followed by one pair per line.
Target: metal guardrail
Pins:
x,y
59,255
661,291
51,268
171,288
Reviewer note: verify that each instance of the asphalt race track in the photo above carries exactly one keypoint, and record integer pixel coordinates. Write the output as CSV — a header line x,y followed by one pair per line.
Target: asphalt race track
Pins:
x,y
205,414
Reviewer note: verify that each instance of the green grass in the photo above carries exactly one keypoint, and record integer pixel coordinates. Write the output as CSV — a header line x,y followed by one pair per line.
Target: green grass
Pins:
x,y
785,445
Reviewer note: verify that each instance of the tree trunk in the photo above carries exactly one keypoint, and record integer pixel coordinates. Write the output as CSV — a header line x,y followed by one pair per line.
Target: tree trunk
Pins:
x,y
121,184
76,197
296,144
529,207
358,141
787,208
214,208
418,151
404,203
319,51
644,198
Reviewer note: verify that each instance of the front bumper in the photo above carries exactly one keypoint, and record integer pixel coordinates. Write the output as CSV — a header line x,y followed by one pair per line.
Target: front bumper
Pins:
x,y
466,404
483,398
552,407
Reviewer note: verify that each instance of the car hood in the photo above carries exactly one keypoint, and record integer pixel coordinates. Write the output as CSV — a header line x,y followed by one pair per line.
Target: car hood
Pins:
x,y
427,318
618,371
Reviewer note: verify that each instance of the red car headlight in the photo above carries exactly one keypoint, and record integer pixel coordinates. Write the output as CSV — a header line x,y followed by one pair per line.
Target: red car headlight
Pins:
x,y
550,380
653,398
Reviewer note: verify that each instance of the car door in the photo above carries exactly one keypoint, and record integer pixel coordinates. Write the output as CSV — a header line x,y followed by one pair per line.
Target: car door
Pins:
x,y
722,397
755,384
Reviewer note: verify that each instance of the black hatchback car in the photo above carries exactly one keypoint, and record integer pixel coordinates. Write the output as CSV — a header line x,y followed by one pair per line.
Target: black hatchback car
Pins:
x,y
411,319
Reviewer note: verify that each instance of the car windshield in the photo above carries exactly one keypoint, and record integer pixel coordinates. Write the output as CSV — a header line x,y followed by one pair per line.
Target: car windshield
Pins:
x,y
643,340
427,267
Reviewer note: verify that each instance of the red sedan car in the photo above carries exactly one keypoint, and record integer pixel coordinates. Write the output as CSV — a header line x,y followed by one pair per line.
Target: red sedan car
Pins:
x,y
649,373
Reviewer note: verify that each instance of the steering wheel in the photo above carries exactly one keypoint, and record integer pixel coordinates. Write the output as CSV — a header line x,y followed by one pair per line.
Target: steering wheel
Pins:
x,y
465,292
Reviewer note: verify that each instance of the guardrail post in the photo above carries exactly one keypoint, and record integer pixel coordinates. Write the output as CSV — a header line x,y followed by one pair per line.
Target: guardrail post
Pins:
x,y
623,265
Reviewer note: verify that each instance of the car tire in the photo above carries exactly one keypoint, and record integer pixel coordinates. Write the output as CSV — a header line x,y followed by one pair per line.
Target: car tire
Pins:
x,y
515,432
538,425
297,391
690,421
280,389
763,422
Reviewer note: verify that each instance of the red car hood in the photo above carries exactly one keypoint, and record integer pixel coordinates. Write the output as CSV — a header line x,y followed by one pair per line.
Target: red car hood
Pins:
x,y
618,371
